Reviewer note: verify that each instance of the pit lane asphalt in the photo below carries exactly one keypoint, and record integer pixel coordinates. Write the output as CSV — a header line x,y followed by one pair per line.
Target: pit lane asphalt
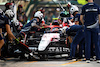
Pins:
x,y
60,62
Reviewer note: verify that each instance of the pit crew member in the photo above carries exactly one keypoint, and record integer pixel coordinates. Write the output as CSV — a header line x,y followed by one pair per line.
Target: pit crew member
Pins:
x,y
34,25
79,37
90,12
4,24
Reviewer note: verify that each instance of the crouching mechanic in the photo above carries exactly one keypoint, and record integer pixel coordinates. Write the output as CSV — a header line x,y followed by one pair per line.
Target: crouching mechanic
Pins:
x,y
35,24
79,37
4,24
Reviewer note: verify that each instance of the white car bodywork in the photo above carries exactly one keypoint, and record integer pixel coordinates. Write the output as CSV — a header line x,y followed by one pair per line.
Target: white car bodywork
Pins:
x,y
46,39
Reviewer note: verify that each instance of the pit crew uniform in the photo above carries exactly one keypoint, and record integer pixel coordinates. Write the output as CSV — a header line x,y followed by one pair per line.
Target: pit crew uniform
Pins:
x,y
3,21
29,25
90,12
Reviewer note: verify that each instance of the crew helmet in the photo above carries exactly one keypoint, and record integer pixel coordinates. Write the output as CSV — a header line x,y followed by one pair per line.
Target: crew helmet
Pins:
x,y
74,9
38,14
9,13
9,5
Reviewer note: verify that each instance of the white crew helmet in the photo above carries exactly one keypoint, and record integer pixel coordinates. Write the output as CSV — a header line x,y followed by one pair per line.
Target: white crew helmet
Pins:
x,y
73,9
9,13
38,14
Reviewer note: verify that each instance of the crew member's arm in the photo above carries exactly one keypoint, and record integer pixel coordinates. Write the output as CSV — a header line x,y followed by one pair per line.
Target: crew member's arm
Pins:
x,y
81,19
38,26
35,25
44,24
0,30
99,19
82,15
10,34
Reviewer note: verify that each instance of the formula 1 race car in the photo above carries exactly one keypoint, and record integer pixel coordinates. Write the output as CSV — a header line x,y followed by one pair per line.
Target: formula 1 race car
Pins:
x,y
50,43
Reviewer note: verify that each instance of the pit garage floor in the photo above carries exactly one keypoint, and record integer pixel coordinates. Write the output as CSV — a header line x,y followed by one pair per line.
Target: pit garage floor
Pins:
x,y
15,62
